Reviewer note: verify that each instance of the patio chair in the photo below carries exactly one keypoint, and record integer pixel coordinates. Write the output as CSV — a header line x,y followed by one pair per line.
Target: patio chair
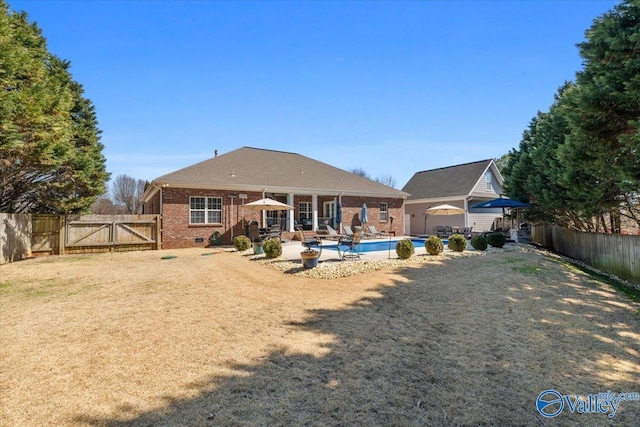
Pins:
x,y
350,248
310,243
466,231
440,231
275,232
375,233
448,231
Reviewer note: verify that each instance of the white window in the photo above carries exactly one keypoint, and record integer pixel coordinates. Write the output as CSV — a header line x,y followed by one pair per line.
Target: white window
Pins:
x,y
304,210
488,180
205,210
384,211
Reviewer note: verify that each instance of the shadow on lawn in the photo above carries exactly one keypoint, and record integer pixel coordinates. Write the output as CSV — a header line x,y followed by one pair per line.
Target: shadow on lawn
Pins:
x,y
434,351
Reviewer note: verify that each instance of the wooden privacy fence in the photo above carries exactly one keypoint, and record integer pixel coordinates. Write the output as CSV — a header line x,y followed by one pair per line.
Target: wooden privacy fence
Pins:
x,y
22,235
15,237
613,253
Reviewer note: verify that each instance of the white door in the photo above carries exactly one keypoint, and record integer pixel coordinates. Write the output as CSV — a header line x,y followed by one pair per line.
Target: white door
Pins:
x,y
329,211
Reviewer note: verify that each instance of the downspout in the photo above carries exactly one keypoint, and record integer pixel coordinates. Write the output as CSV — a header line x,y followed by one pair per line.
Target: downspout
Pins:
x,y
340,203
264,213
466,211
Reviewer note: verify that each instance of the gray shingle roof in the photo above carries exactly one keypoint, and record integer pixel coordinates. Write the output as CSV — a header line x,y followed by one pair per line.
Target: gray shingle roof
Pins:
x,y
449,181
255,168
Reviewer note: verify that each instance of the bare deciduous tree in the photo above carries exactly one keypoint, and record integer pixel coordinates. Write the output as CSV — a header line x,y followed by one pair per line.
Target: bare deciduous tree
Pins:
x,y
127,192
387,180
103,206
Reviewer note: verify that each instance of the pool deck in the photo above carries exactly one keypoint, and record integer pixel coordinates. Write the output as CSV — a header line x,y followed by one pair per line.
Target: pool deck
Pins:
x,y
291,250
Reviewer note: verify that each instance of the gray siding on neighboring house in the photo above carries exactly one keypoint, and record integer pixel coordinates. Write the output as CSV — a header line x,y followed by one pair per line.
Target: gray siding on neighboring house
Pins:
x,y
482,221
481,187
453,185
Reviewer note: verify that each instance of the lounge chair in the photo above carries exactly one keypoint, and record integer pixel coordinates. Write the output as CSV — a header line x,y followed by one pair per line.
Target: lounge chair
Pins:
x,y
375,233
348,231
310,243
332,234
350,248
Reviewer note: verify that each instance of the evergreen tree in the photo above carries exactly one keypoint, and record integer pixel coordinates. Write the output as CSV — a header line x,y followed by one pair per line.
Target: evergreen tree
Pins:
x,y
50,152
604,115
579,164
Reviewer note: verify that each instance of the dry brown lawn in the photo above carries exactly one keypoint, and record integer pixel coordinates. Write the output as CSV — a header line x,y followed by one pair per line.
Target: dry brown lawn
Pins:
x,y
129,339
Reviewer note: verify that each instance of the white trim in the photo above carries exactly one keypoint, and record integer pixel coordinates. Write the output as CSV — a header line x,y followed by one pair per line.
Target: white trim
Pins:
x,y
496,173
206,210
275,189
386,211
291,218
314,209
436,200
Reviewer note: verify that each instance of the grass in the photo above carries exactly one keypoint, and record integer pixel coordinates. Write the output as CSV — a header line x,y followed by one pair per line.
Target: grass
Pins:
x,y
127,339
632,293
529,269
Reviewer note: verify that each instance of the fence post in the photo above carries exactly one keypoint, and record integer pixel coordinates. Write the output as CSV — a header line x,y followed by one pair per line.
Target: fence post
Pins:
x,y
62,234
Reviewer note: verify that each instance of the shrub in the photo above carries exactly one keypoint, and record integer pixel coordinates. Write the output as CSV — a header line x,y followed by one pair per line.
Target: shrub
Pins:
x,y
479,243
241,243
434,245
457,243
497,240
272,248
404,248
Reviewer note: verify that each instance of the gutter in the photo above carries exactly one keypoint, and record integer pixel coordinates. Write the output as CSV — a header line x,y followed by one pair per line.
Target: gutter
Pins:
x,y
277,189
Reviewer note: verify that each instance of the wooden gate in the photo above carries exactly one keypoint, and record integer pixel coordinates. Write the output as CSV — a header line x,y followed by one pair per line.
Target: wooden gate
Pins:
x,y
101,233
95,233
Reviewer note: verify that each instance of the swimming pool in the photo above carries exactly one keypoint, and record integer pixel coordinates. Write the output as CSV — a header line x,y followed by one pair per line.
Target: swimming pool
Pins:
x,y
380,245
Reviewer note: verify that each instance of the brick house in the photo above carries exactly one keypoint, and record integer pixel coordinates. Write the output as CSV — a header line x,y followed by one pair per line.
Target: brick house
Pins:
x,y
206,197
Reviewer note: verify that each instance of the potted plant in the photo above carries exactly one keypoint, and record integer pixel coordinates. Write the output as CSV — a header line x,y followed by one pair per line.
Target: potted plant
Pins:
x,y
215,239
310,258
257,247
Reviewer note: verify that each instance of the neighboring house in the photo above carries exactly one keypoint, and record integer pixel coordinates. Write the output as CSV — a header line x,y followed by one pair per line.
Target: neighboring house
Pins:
x,y
209,196
463,186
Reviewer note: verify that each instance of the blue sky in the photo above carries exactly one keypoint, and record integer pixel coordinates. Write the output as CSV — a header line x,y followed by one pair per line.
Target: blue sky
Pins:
x,y
389,87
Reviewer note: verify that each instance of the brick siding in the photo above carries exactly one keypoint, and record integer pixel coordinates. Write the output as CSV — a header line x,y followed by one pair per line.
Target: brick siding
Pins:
x,y
178,233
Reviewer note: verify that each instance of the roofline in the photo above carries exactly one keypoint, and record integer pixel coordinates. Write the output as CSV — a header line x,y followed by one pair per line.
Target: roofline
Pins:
x,y
156,185
436,199
453,166
494,169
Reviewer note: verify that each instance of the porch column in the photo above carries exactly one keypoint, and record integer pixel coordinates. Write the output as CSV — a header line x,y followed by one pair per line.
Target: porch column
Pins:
x,y
291,212
466,212
314,208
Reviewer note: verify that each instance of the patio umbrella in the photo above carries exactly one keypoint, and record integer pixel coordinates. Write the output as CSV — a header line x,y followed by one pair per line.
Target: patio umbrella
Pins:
x,y
502,203
364,217
445,210
268,205
338,215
